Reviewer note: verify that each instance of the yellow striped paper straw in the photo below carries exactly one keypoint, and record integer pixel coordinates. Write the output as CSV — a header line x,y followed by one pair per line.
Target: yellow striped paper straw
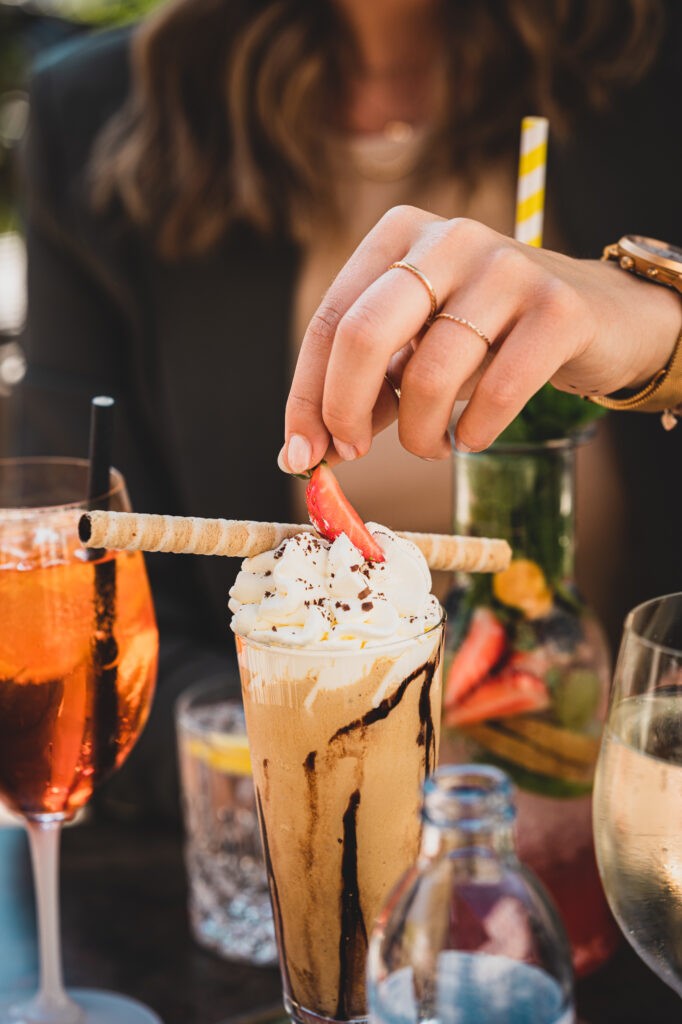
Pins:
x,y
530,191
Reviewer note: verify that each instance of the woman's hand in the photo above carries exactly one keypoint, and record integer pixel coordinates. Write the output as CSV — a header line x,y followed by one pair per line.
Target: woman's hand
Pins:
x,y
585,326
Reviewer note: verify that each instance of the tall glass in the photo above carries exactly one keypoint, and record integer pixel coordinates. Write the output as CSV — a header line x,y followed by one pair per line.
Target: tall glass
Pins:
x,y
638,788
341,742
78,654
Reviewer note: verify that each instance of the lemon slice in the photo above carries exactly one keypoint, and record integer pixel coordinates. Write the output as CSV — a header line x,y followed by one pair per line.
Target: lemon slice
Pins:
x,y
523,586
229,754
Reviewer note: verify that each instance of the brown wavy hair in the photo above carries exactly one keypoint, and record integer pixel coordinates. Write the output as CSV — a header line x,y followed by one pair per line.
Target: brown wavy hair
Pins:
x,y
226,117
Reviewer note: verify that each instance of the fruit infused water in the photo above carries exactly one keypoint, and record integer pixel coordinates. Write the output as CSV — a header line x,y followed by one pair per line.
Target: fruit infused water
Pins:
x,y
340,659
527,673
55,660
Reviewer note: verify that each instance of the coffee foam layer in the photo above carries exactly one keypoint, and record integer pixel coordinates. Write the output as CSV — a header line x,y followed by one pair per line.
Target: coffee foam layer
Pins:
x,y
329,670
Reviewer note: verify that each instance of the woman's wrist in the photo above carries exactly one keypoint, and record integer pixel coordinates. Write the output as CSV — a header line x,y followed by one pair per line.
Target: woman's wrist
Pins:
x,y
655,314
662,393
655,382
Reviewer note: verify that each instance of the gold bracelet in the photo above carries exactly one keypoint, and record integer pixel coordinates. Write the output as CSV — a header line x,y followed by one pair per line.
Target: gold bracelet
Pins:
x,y
663,393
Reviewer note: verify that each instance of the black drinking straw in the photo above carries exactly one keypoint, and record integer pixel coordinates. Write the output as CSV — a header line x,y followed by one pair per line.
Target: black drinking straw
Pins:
x,y
101,445
104,647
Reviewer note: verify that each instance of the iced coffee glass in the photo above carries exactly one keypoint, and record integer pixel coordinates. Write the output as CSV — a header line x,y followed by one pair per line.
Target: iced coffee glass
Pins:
x,y
341,741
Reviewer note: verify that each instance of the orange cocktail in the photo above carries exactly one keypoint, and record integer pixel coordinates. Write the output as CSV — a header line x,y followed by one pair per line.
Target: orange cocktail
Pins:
x,y
54,721
78,654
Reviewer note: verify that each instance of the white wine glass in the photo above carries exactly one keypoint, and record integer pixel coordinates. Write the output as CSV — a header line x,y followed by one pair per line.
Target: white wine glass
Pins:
x,y
638,788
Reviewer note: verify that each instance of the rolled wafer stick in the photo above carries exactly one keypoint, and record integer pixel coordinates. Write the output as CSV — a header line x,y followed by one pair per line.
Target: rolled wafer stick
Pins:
x,y
183,535
239,538
450,553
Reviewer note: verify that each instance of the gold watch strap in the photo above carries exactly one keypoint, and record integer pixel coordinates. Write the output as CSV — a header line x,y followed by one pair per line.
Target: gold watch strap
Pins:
x,y
661,394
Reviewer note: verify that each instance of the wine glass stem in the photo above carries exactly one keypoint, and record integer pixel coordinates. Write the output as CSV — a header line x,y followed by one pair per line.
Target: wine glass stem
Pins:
x,y
44,839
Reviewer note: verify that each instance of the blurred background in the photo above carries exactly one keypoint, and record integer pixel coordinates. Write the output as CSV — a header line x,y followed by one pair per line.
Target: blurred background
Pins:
x,y
26,30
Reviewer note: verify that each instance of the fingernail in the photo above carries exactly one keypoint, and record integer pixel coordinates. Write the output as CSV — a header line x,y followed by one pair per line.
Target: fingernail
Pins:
x,y
299,453
348,452
280,461
462,447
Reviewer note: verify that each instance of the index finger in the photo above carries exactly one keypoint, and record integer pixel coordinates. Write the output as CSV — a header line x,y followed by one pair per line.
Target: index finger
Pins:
x,y
386,242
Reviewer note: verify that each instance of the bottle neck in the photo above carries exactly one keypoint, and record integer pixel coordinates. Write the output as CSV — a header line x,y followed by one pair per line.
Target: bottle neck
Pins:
x,y
468,807
438,840
526,495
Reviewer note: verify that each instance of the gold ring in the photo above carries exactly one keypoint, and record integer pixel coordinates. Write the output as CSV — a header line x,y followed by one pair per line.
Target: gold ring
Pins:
x,y
403,265
394,387
465,323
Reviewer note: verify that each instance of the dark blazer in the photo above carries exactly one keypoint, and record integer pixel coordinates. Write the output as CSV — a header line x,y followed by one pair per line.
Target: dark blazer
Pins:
x,y
196,352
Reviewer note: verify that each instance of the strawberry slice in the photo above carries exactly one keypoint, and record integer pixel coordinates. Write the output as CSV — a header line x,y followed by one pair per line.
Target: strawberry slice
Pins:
x,y
481,649
510,692
331,514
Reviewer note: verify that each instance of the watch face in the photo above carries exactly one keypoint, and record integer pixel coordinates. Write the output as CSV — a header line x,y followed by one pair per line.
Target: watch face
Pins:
x,y
653,248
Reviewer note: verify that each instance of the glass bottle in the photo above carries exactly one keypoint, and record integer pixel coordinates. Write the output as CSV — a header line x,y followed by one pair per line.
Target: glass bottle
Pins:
x,y
469,935
527,673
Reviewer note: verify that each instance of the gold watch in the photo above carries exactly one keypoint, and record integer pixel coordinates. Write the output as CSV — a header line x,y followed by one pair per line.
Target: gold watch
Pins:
x,y
660,263
656,261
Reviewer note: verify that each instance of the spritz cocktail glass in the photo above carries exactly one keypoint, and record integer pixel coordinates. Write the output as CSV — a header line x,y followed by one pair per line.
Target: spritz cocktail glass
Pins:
x,y
78,656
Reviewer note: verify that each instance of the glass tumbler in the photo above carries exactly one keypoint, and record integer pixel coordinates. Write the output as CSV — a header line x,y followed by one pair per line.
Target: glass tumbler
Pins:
x,y
229,903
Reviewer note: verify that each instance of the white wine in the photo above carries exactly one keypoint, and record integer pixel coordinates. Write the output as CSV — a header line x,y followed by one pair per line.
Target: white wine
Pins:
x,y
638,827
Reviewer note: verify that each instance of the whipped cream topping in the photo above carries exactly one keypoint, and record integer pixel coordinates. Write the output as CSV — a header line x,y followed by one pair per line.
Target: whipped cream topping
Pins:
x,y
310,592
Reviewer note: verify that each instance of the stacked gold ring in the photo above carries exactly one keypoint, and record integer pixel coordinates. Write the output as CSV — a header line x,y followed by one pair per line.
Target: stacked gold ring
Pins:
x,y
465,323
404,265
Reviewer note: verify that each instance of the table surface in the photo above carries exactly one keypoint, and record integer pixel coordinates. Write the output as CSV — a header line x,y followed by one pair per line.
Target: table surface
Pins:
x,y
125,928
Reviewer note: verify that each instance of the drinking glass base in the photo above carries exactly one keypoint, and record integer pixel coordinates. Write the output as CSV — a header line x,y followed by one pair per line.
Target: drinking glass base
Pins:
x,y
299,1015
96,1008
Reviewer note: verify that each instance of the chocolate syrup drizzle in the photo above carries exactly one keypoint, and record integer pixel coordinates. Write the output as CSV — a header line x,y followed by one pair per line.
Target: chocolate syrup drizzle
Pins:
x,y
353,936
266,778
311,780
309,845
426,737
387,705
353,940
274,893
